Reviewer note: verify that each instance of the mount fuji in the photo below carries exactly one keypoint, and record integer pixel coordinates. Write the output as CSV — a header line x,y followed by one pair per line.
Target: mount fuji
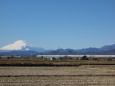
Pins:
x,y
21,45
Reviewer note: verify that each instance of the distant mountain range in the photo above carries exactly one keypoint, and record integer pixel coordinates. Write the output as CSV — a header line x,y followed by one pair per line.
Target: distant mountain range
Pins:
x,y
107,47
21,47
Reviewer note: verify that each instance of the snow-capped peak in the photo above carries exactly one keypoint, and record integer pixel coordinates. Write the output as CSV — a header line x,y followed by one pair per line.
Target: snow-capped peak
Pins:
x,y
21,43
18,45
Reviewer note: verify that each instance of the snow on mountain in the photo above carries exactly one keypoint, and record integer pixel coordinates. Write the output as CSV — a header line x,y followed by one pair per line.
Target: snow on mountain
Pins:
x,y
18,45
21,45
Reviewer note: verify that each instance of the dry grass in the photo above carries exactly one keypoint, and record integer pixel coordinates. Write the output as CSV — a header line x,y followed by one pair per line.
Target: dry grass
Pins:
x,y
54,62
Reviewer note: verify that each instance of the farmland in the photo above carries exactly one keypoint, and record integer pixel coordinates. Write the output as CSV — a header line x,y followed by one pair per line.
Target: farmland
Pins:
x,y
84,75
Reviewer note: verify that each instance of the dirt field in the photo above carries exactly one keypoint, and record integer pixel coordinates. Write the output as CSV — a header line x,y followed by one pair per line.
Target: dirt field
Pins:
x,y
92,75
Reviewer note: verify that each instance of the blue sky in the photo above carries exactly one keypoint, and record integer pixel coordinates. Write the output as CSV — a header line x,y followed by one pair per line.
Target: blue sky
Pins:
x,y
53,24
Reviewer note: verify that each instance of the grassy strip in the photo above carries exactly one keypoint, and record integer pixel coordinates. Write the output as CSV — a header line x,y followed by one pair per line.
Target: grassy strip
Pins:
x,y
52,63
